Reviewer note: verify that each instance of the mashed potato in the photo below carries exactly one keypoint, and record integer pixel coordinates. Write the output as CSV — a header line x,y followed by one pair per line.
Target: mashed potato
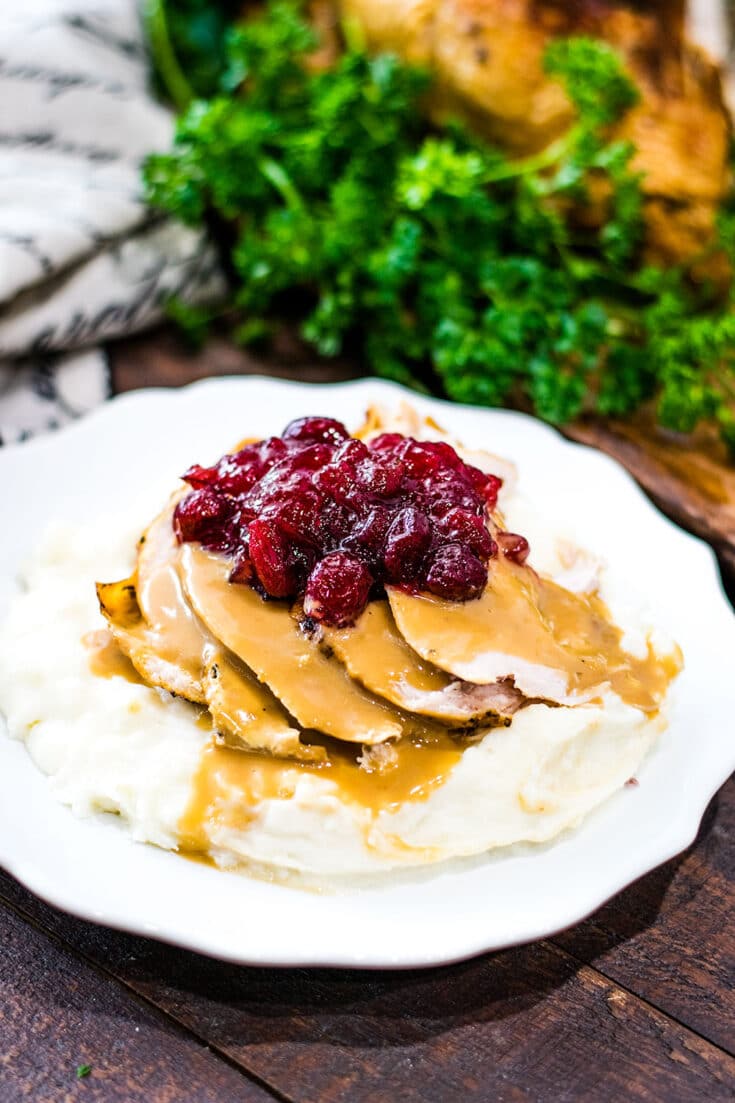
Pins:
x,y
112,745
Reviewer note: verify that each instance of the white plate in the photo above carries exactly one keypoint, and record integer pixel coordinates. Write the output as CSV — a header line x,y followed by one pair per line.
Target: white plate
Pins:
x,y
93,869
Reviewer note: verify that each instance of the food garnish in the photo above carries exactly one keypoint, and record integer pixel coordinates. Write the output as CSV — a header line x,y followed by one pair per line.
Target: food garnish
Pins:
x,y
443,262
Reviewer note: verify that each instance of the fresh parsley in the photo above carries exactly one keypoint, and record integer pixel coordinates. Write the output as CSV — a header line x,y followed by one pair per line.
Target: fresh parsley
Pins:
x,y
441,262
82,1071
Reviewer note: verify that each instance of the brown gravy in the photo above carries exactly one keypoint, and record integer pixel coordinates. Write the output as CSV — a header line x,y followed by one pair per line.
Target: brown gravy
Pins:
x,y
528,617
314,689
106,660
376,654
170,620
230,784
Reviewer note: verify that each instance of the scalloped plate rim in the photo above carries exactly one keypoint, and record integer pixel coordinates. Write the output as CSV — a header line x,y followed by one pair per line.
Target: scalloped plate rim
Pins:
x,y
681,831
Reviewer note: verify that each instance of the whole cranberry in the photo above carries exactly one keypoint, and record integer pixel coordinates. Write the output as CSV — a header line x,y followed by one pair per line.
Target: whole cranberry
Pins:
x,y
250,452
276,486
461,526
235,477
316,429
455,574
367,540
203,516
386,442
382,475
311,458
198,477
406,543
337,589
446,454
447,490
339,480
270,451
420,458
513,546
299,514
352,451
269,552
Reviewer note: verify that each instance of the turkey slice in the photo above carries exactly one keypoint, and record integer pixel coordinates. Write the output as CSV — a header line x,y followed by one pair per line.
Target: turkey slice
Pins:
x,y
377,656
510,632
247,714
154,625
557,646
315,689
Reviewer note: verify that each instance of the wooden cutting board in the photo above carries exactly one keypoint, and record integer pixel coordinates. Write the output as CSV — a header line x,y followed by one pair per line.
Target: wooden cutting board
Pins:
x,y
689,478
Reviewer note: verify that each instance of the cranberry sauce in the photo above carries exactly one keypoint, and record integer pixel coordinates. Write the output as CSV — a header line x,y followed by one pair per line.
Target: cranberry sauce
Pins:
x,y
318,514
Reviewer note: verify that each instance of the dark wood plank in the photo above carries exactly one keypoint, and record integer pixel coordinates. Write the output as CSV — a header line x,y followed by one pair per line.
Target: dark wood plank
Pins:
x,y
58,1013
670,937
162,359
526,1024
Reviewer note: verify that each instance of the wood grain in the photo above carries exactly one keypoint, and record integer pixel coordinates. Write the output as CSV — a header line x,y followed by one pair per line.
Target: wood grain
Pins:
x,y
670,937
162,360
691,479
58,1013
527,1024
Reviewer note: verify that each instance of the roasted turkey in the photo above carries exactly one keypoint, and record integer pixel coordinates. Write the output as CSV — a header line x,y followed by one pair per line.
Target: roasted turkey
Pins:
x,y
487,57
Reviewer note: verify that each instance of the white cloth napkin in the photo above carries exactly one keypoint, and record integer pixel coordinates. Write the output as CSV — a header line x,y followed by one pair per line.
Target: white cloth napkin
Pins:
x,y
81,258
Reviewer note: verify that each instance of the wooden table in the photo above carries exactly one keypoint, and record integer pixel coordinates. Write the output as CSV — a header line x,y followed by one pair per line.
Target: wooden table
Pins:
x,y
635,1003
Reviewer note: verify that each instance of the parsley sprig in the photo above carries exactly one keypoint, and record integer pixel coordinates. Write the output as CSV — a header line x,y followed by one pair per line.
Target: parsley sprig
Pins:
x,y
443,263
